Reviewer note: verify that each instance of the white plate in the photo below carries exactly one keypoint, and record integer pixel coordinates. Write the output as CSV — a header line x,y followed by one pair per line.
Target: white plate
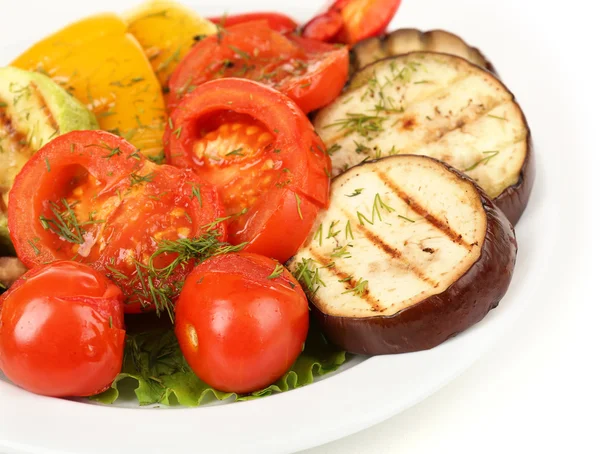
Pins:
x,y
364,394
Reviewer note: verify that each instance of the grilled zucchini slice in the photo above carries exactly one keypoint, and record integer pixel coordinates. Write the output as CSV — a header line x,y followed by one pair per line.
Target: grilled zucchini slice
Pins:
x,y
33,110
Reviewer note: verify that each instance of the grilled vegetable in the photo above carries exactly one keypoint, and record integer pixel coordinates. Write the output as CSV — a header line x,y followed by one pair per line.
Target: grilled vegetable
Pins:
x,y
435,105
349,21
33,110
103,66
406,40
409,253
167,31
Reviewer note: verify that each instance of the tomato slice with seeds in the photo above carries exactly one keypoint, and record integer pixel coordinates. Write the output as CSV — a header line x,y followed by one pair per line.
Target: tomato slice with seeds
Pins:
x,y
90,196
311,73
277,21
349,21
262,153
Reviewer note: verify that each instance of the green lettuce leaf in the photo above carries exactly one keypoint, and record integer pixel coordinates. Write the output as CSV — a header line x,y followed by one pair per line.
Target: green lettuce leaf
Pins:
x,y
162,376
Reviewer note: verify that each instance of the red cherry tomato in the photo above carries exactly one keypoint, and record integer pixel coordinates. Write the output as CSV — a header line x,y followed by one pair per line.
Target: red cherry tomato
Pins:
x,y
311,73
241,321
278,22
349,21
90,196
61,331
263,155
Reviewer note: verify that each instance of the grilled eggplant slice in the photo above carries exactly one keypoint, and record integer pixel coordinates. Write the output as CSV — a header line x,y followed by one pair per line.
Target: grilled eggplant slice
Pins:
x,y
406,40
440,106
409,253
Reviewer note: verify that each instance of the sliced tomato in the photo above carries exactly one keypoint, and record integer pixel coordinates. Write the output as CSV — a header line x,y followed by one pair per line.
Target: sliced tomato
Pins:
x,y
349,21
278,22
311,73
324,27
263,155
90,196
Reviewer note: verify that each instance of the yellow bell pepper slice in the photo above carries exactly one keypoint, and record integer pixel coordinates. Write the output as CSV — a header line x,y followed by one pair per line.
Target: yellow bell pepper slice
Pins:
x,y
104,67
166,31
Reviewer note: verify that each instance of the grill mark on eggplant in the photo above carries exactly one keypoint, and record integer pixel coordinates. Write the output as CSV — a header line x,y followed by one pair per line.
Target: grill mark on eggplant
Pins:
x,y
421,211
437,134
395,254
436,93
347,280
441,92
12,135
44,106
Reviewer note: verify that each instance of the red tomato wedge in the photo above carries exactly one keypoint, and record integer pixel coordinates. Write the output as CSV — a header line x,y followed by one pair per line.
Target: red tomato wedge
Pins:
x,y
62,331
262,153
241,321
90,196
278,22
311,73
349,21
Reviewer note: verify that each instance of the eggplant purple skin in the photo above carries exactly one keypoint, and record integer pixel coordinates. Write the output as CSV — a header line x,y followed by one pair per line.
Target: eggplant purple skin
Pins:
x,y
436,319
355,65
514,199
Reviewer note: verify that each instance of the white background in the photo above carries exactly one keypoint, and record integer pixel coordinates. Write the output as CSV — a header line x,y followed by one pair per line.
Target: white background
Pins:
x,y
537,390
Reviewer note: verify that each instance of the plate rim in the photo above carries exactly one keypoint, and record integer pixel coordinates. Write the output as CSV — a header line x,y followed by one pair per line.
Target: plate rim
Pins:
x,y
478,339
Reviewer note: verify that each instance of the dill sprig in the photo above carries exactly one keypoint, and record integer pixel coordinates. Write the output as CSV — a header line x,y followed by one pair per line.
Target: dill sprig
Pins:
x,y
153,283
360,288
307,273
332,233
361,124
356,192
483,161
136,178
349,233
319,235
341,252
64,222
278,271
378,205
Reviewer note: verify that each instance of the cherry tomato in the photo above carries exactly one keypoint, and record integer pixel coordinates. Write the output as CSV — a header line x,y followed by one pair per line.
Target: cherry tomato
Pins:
x,y
61,331
241,321
263,155
349,21
311,73
278,22
90,196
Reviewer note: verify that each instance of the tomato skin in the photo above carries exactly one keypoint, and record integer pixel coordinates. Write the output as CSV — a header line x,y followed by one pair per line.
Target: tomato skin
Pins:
x,y
62,331
276,239
134,215
238,330
278,22
252,50
324,27
297,150
350,21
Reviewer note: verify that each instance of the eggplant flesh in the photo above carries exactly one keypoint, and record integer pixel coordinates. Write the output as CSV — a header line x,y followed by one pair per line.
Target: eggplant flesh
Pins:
x,y
409,253
435,105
